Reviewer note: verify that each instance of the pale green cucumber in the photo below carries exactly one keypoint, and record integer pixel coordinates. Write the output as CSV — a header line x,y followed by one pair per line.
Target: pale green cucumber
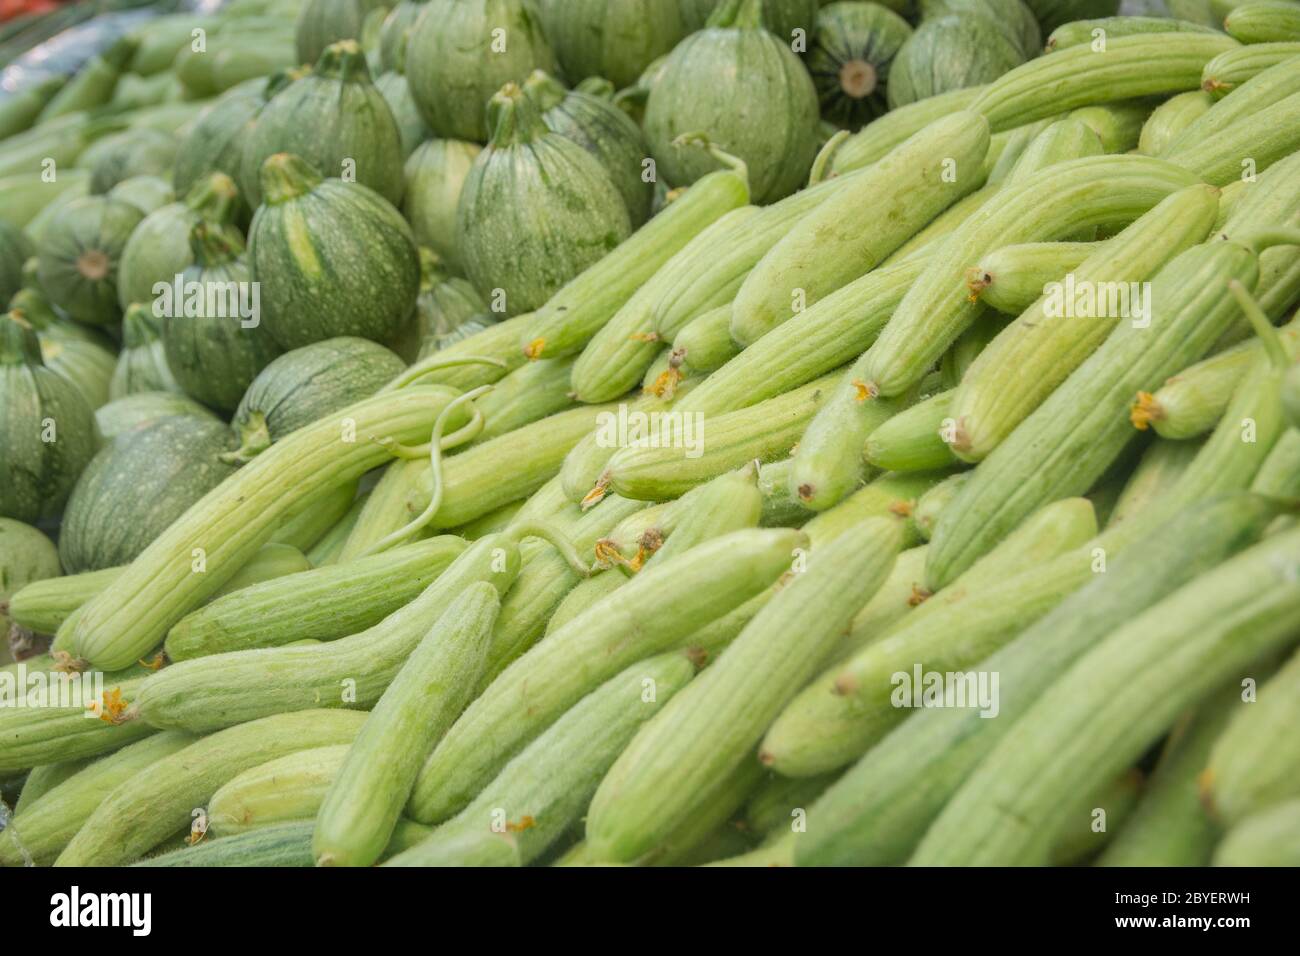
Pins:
x,y
1088,826
828,249
159,800
45,778
901,594
272,561
1263,21
877,138
388,508
281,845
881,808
1168,120
1245,148
1118,125
225,689
435,683
1236,66
914,439
932,504
1025,363
1012,278
958,359
890,494
303,529
39,832
499,342
321,604
780,801
567,322
710,445
705,342
849,707
1158,470
544,790
1268,838
1104,29
1098,717
1259,92
781,507
1054,203
1072,437
657,610
529,393
43,606
327,550
1130,66
283,790
926,241
1279,476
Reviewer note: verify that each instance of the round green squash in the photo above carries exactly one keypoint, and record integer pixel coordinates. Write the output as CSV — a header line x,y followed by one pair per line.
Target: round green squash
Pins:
x,y
950,53
632,99
47,429
394,32
782,17
322,22
123,414
332,258
1015,19
460,52
134,152
411,127
306,384
214,352
26,555
142,364
146,193
78,252
159,248
435,178
138,484
87,366
1052,13
447,305
15,249
603,130
849,63
50,321
336,120
616,39
537,209
747,92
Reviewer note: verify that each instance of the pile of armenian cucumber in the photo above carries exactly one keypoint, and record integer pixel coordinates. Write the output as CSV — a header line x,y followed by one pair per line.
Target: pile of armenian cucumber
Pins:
x,y
655,432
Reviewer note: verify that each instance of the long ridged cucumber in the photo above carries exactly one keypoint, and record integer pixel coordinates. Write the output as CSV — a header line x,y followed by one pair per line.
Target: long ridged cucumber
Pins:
x,y
1131,66
889,495
159,800
1269,838
1259,92
1097,718
1235,67
41,830
1263,21
321,604
877,138
544,790
43,606
1249,145
41,780
529,393
567,322
361,808
828,248
716,722
913,439
1070,439
897,597
653,612
1028,359
705,342
1117,125
849,707
225,689
1168,120
1157,472
282,845
499,342
279,791
1280,474
881,808
1012,278
932,504
1104,29
1054,203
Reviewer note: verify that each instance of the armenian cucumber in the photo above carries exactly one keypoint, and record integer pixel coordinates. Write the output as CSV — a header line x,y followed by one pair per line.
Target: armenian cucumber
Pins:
x,y
913,440
1236,66
705,342
1071,438
1012,278
1259,92
435,683
282,845
1103,29
41,831
1150,64
1246,147
1028,359
658,609
1117,125
1168,120
1269,838
1263,21
713,725
889,495
1279,476
309,524
1157,472
544,790
160,799
321,604
530,393
931,504
827,249
1053,203
881,808
41,780
43,606
1097,718
877,138
567,322
282,790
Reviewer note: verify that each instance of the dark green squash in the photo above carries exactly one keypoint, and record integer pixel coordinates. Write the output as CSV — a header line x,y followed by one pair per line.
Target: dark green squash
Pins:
x,y
632,99
412,130
26,555
47,430
537,209
393,34
49,320
745,90
782,17
78,252
306,384
322,22
460,52
950,53
332,258
616,39
146,193
15,249
849,62
142,363
159,248
87,366
435,178
134,152
123,414
1052,13
138,484
447,310
336,120
1014,18
603,130
213,333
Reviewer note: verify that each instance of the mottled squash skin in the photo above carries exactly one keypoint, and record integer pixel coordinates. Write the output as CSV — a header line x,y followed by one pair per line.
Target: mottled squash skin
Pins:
x,y
435,178
79,252
616,39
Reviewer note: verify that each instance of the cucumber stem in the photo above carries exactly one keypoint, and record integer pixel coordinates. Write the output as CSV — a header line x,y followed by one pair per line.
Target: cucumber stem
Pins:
x,y
701,140
1267,238
555,538
1272,342
825,156
435,364
467,432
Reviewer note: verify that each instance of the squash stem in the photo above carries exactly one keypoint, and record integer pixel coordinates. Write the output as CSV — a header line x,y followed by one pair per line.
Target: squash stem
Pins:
x,y
1272,342
825,157
701,140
